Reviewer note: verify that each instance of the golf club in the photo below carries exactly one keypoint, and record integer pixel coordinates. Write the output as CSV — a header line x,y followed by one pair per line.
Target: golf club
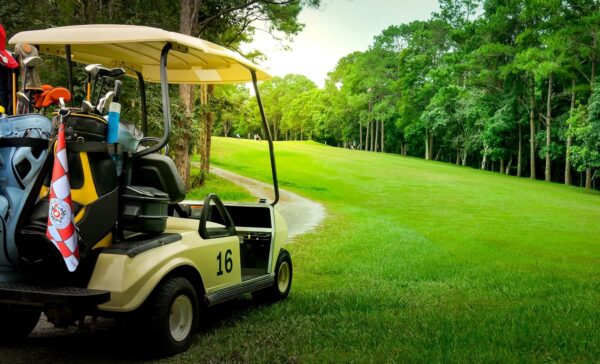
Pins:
x,y
104,103
104,74
92,72
87,107
23,103
29,62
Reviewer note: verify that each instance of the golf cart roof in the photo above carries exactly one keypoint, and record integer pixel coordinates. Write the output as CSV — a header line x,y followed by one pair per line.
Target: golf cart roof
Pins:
x,y
138,48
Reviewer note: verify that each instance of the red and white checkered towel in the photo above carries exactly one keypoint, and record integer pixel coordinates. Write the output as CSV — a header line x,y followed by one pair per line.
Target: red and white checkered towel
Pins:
x,y
61,225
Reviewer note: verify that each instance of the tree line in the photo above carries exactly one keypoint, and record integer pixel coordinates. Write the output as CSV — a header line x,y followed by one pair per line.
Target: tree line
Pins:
x,y
501,85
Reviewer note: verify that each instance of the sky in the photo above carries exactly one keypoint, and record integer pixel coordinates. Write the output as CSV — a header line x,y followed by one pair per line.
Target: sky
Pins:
x,y
337,28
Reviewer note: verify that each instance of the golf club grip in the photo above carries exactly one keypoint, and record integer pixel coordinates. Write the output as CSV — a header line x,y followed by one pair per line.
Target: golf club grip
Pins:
x,y
117,91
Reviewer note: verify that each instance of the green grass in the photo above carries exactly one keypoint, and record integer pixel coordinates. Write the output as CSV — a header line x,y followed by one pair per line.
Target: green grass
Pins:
x,y
419,261
226,190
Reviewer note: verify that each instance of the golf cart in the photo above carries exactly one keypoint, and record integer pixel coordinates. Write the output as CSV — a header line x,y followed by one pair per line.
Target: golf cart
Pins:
x,y
143,250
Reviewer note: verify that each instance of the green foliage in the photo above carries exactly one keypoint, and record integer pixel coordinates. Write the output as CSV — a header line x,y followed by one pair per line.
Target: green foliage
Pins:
x,y
232,107
585,128
178,116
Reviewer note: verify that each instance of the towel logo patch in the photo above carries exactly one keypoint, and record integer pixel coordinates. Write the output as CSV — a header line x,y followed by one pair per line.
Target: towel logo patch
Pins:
x,y
60,213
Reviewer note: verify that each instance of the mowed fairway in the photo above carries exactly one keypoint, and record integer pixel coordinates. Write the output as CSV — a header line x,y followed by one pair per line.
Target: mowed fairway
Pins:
x,y
420,261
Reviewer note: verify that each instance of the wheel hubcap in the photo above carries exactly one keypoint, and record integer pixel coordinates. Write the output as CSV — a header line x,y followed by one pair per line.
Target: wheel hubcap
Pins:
x,y
283,280
180,320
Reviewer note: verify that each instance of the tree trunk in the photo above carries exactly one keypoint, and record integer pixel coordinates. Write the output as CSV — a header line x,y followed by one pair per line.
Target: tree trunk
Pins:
x,y
548,172
360,145
426,144
569,137
509,165
594,59
376,135
373,136
484,161
532,130
464,157
520,152
367,137
457,156
430,146
188,17
370,125
501,166
89,8
208,122
382,138
588,178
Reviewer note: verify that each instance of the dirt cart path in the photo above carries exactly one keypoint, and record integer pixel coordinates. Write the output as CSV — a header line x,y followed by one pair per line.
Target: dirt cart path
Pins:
x,y
301,214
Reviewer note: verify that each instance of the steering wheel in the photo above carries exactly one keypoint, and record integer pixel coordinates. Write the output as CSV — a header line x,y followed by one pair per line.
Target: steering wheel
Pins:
x,y
155,140
215,232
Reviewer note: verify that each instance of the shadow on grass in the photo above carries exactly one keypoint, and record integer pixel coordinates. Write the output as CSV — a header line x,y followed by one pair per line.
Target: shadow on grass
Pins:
x,y
110,341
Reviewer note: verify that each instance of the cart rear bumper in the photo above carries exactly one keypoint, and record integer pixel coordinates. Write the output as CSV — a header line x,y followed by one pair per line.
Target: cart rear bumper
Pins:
x,y
20,293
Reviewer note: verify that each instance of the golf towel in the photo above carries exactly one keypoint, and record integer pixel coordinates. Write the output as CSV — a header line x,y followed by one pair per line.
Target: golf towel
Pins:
x,y
61,226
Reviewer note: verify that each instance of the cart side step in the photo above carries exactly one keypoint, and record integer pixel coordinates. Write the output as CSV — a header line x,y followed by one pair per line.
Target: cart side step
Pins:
x,y
24,293
246,287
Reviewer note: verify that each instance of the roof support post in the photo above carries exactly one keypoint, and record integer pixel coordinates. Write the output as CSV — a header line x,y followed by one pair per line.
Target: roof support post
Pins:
x,y
269,138
142,85
164,90
69,68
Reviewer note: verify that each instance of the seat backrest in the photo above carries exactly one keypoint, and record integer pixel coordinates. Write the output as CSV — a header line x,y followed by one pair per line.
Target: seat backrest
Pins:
x,y
159,171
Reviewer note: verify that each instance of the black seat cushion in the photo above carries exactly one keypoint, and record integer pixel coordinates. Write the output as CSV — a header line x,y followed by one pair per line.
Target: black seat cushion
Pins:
x,y
159,171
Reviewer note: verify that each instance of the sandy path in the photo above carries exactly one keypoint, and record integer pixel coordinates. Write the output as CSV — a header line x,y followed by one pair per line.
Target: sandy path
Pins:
x,y
301,214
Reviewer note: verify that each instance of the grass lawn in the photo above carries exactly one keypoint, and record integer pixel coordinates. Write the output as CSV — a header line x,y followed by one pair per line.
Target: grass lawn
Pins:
x,y
226,190
419,261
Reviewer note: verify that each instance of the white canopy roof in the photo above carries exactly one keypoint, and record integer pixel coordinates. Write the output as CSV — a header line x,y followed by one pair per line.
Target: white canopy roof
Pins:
x,y
191,60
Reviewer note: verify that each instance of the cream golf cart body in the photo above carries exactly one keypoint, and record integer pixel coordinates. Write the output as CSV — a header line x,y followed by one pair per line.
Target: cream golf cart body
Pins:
x,y
206,253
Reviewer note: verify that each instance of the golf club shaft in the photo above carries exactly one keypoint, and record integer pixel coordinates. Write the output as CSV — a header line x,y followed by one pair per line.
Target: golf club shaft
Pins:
x,y
14,92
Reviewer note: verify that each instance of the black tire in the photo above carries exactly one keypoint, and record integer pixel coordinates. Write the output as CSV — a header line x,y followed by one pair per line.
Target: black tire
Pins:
x,y
283,281
172,316
17,323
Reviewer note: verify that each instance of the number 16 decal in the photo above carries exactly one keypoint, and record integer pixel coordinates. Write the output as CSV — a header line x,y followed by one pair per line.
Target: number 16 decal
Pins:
x,y
228,262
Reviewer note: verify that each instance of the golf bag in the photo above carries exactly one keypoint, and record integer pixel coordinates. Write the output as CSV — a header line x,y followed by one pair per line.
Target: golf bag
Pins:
x,y
24,142
94,191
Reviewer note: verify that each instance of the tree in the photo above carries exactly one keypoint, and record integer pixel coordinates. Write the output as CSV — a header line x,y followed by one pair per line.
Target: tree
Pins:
x,y
585,129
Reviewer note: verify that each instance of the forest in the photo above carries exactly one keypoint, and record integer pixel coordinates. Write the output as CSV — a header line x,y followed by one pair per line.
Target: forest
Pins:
x,y
501,85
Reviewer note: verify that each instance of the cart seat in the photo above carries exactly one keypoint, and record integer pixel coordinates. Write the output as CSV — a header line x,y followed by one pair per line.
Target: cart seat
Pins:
x,y
159,171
